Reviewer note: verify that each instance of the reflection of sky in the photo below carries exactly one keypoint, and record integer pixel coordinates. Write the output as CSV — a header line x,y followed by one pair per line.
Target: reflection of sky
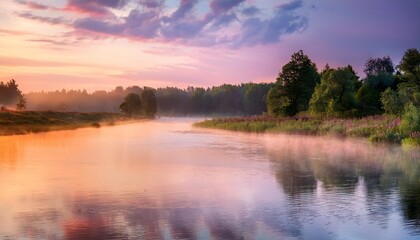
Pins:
x,y
163,179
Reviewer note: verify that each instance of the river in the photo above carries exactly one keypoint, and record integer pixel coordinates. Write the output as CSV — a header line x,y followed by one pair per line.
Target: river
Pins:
x,y
165,179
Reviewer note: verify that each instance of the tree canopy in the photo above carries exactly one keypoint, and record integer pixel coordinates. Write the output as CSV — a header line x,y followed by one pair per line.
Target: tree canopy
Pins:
x,y
294,86
148,100
376,66
335,94
9,93
132,105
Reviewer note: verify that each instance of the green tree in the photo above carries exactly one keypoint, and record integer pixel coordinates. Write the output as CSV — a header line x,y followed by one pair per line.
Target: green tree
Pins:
x,y
379,76
410,120
335,94
131,105
294,87
21,105
148,100
376,66
410,66
391,102
255,96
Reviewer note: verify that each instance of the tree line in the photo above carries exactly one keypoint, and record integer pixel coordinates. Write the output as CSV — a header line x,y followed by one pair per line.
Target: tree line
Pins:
x,y
301,89
227,99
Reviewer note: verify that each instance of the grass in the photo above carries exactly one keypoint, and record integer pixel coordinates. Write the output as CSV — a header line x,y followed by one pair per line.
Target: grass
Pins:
x,y
15,123
375,128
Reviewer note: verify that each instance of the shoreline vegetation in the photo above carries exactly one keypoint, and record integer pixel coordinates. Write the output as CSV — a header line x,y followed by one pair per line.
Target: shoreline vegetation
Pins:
x,y
27,122
378,129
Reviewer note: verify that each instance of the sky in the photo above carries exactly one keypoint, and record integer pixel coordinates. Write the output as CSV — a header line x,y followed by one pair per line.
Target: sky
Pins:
x,y
100,44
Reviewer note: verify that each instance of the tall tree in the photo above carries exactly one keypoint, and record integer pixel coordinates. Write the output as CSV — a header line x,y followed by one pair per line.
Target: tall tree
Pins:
x,y
410,66
335,94
131,105
294,87
376,66
21,105
9,93
148,99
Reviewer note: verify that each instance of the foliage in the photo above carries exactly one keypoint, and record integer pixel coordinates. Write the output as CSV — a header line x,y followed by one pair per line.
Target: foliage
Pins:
x,y
391,102
410,122
376,66
148,101
277,103
21,105
9,93
294,87
413,142
227,99
410,66
17,122
335,94
255,96
376,128
132,105
368,97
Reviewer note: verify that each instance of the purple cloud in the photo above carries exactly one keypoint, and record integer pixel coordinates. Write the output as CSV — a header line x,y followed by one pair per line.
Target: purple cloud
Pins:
x,y
149,20
258,31
250,11
151,3
184,8
295,4
219,6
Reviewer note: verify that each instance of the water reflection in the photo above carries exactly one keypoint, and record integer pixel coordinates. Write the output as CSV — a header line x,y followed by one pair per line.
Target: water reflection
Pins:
x,y
167,180
382,172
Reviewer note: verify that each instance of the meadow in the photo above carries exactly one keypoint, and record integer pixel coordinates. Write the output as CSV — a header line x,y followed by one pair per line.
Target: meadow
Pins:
x,y
17,123
380,128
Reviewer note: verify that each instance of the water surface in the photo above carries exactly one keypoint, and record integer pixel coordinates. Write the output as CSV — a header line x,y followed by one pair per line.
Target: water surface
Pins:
x,y
164,179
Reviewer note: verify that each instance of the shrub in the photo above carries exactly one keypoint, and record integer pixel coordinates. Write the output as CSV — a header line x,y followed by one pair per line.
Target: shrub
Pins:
x,y
410,120
391,102
415,142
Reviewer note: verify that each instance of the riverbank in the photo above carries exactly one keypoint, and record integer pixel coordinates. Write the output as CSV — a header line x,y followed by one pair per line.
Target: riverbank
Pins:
x,y
375,128
18,123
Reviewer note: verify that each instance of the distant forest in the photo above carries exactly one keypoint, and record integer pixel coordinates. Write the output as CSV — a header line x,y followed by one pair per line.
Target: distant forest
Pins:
x,y
300,89
244,99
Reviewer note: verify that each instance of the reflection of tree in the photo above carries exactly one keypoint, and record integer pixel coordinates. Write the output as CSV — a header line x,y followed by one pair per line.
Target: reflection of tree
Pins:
x,y
92,228
296,177
340,174
344,166
409,188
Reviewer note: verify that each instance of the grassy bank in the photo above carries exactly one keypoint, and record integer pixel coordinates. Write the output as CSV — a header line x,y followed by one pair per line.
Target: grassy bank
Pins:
x,y
375,128
14,123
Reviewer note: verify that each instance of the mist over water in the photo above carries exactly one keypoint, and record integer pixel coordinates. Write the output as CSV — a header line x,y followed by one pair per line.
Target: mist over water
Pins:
x,y
165,179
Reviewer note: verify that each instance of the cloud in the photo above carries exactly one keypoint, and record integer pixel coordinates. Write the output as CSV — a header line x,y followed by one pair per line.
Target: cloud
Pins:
x,y
50,20
136,25
95,7
295,4
33,5
184,8
187,24
250,11
258,31
151,3
219,6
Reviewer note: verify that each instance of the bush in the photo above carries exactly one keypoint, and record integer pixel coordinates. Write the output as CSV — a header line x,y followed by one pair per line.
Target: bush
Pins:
x,y
415,142
411,120
391,102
